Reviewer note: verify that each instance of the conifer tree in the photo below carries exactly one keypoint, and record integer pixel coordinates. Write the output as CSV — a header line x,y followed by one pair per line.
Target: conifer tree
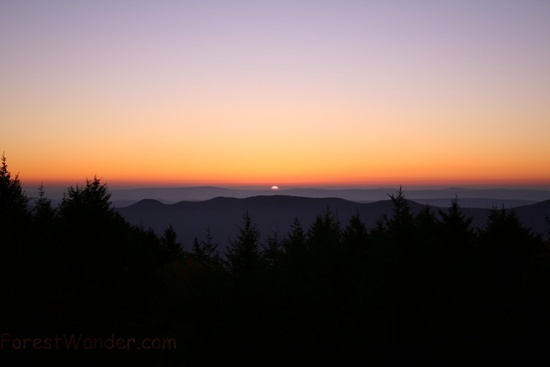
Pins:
x,y
15,250
401,222
206,252
198,250
507,241
172,249
43,211
324,233
243,254
355,238
88,207
45,233
457,229
295,250
212,256
14,212
296,241
272,252
93,253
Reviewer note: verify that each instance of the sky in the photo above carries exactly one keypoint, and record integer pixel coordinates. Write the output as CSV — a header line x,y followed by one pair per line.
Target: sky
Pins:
x,y
289,93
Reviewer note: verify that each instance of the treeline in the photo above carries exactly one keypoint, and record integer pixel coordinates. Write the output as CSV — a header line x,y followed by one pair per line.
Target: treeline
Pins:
x,y
414,288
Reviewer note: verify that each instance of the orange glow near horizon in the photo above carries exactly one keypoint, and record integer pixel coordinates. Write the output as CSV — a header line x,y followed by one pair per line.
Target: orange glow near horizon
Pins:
x,y
307,177
267,156
308,163
209,96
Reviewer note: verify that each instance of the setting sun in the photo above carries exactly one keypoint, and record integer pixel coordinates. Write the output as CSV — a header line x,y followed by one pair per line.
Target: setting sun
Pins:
x,y
347,94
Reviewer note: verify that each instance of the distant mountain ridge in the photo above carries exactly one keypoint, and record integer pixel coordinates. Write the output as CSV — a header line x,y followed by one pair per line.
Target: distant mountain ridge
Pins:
x,y
469,197
275,213
438,197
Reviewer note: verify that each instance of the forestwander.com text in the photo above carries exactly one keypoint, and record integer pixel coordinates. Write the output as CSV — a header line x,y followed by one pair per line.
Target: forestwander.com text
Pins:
x,y
9,341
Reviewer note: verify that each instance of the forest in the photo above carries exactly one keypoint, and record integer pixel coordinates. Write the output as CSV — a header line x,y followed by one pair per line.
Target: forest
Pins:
x,y
425,288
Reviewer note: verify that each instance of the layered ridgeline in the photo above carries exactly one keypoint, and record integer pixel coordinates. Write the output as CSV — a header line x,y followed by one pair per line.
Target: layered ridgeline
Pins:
x,y
469,197
415,284
272,214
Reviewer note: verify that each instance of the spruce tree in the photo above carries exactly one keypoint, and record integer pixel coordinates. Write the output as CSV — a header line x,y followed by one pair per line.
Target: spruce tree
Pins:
x,y
243,254
456,228
172,249
210,249
14,213
16,249
355,238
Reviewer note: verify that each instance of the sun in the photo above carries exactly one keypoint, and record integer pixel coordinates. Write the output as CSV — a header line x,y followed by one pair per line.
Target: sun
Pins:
x,y
274,187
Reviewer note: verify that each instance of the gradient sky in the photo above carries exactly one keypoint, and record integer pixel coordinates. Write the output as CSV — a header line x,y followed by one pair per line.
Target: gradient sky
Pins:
x,y
284,93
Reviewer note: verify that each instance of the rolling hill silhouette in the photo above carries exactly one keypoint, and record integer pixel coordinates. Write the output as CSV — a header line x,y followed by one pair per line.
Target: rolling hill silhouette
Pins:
x,y
275,213
469,197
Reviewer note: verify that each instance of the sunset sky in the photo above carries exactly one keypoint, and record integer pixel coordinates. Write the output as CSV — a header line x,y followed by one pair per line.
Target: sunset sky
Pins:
x,y
288,93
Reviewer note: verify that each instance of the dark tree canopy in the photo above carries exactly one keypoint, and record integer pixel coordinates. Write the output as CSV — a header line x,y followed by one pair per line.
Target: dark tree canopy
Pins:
x,y
170,245
243,254
421,286
91,201
13,200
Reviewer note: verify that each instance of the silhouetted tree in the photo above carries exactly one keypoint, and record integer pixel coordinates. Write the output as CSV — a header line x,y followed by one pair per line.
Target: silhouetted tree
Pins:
x,y
210,247
88,205
355,238
14,214
198,251
15,249
94,250
296,236
456,228
46,248
43,211
206,251
421,287
294,246
425,222
427,240
247,271
401,276
272,251
458,273
13,200
508,248
198,297
401,222
507,240
323,238
293,300
170,245
243,254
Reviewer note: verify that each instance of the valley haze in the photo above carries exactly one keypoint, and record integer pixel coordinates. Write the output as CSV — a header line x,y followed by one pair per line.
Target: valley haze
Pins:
x,y
192,210
468,197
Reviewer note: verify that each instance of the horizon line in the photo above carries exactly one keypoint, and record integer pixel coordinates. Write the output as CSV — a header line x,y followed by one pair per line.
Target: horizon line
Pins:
x,y
262,187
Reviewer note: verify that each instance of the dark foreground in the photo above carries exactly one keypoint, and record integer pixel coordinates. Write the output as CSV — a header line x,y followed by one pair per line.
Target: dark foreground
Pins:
x,y
82,286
